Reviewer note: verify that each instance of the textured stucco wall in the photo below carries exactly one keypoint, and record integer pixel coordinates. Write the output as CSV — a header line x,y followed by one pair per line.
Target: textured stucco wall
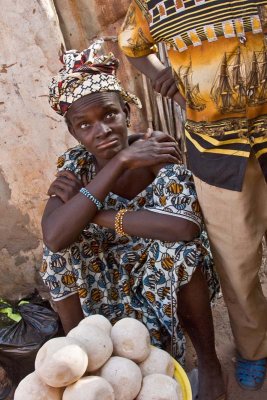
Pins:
x,y
32,135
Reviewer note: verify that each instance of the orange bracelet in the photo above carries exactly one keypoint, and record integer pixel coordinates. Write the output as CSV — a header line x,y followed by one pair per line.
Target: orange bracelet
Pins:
x,y
118,223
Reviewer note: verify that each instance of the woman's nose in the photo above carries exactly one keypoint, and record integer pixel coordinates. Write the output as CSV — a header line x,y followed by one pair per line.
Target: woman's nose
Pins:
x,y
102,129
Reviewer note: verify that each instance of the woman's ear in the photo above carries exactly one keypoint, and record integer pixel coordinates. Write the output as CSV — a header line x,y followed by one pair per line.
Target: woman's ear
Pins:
x,y
127,112
127,109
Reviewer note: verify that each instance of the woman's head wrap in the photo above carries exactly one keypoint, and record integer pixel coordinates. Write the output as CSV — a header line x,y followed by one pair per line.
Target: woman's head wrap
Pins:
x,y
85,73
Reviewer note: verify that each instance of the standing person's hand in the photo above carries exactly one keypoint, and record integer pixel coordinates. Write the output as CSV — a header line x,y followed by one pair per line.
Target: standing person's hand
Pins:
x,y
164,83
150,152
65,186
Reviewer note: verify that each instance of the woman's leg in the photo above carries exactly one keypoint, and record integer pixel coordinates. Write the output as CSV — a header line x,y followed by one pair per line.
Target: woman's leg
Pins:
x,y
195,315
62,277
69,311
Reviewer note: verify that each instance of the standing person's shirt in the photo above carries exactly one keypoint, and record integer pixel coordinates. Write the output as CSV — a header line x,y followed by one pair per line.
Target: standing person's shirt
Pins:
x,y
218,54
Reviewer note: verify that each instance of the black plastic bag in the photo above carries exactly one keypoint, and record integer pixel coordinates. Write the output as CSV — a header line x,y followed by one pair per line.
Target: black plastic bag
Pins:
x,y
24,327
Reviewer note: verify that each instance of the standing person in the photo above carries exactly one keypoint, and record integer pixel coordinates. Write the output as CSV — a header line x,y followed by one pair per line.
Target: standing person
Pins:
x,y
219,73
106,252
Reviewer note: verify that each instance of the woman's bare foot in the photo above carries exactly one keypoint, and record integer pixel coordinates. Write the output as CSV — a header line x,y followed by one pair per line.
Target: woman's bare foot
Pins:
x,y
211,383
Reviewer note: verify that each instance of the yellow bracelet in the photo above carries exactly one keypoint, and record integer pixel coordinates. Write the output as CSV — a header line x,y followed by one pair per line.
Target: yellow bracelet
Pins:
x,y
118,223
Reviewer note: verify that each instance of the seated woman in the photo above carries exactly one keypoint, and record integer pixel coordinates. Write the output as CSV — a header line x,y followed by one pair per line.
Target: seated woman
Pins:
x,y
122,225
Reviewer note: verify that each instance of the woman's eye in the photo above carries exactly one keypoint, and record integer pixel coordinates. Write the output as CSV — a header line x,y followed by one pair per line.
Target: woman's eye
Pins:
x,y
110,115
84,125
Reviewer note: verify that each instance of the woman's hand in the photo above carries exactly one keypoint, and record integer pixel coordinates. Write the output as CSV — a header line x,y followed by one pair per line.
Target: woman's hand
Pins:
x,y
65,186
149,152
162,137
158,135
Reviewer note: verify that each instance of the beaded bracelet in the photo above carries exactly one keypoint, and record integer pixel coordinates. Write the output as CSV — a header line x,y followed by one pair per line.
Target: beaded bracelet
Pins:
x,y
89,196
118,223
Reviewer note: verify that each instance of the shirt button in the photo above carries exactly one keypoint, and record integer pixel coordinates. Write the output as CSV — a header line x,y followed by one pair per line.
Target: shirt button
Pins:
x,y
251,138
242,39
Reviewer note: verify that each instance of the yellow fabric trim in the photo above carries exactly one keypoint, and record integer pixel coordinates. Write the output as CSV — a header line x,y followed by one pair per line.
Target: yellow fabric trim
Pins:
x,y
260,140
238,153
260,153
216,142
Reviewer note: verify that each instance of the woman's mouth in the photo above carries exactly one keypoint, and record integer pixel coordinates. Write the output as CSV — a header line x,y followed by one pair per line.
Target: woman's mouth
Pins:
x,y
106,144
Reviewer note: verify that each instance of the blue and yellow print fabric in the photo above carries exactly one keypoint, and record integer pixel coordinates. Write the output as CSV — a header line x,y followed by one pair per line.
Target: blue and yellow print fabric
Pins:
x,y
122,276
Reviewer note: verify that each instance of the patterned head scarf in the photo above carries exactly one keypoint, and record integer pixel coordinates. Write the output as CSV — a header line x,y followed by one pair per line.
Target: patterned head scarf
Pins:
x,y
85,73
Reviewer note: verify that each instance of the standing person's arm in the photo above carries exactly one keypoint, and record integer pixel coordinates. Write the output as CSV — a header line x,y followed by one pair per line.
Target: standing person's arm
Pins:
x,y
161,77
138,45
70,312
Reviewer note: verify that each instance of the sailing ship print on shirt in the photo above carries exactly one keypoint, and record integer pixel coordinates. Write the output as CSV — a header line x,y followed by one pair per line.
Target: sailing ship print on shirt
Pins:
x,y
139,42
229,88
257,81
184,81
232,90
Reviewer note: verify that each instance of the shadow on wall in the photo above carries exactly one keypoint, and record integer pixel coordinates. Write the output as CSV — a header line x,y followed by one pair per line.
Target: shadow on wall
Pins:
x,y
16,237
16,240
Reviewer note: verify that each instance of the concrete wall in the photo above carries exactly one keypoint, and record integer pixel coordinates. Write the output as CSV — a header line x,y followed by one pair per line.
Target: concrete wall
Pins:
x,y
32,135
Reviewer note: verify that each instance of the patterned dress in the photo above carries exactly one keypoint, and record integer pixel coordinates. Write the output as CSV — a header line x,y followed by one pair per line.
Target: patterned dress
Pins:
x,y
123,276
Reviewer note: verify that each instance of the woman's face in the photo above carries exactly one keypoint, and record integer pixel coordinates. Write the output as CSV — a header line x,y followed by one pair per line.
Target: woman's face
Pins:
x,y
98,121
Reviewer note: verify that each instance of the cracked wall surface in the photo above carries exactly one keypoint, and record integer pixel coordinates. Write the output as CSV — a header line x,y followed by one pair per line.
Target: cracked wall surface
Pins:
x,y
32,135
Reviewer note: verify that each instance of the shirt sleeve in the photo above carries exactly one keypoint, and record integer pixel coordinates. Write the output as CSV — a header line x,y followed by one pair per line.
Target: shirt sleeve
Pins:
x,y
58,274
77,160
135,39
174,194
